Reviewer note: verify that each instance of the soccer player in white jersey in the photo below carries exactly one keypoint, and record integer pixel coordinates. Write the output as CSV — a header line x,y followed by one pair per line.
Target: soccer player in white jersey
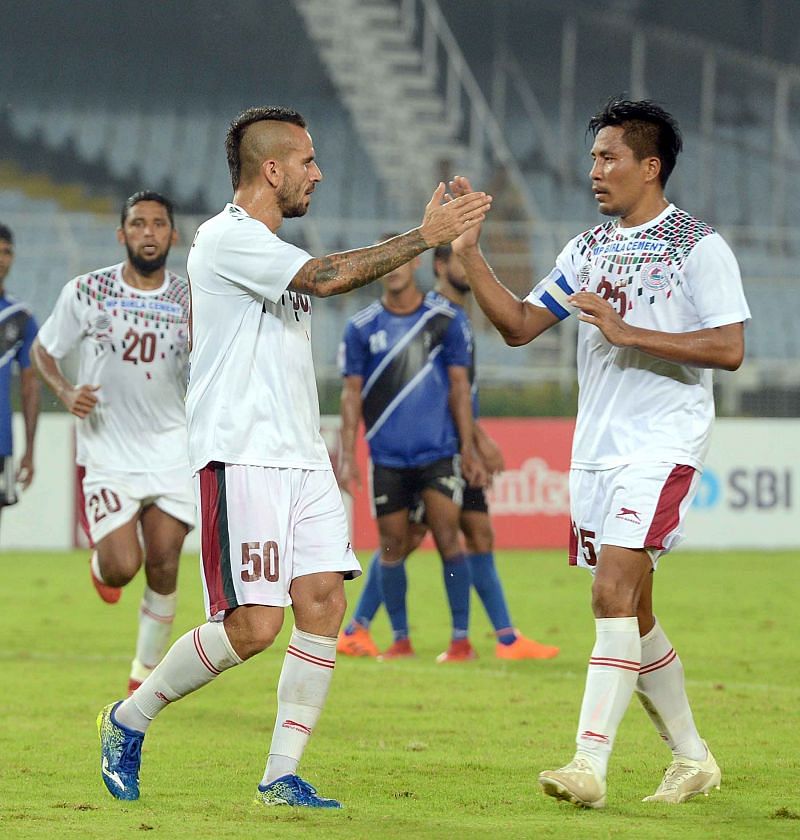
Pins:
x,y
274,531
130,325
660,303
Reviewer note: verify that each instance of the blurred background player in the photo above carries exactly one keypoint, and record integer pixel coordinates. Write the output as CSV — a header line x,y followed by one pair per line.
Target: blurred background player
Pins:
x,y
405,361
129,322
274,527
17,333
646,345
474,520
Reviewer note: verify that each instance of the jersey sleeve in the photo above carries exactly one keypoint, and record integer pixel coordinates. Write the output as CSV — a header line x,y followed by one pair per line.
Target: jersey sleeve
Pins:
x,y
352,353
28,335
457,343
715,283
64,328
553,290
249,255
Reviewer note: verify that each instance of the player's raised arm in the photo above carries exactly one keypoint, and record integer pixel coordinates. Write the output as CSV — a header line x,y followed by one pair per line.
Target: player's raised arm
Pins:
x,y
442,223
518,321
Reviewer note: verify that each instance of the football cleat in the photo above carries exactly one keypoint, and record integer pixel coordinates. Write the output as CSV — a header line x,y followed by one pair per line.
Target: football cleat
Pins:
x,y
110,594
577,783
399,649
522,648
460,650
357,643
685,778
294,791
120,755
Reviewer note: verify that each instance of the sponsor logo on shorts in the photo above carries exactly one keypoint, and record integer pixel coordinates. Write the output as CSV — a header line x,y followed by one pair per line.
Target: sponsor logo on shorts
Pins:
x,y
299,727
629,515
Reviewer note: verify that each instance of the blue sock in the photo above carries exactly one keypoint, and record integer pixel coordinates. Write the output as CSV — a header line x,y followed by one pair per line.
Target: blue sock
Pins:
x,y
394,584
487,584
457,583
370,599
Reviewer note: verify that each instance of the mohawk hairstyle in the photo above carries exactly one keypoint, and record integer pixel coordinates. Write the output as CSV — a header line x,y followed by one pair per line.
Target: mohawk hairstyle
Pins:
x,y
649,130
233,139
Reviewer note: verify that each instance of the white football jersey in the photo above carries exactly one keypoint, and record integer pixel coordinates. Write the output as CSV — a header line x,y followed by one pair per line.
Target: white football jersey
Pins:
x,y
133,344
252,395
673,274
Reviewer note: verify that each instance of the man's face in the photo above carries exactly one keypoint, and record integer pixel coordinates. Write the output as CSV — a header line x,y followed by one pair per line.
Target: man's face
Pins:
x,y
400,279
618,179
147,235
6,258
300,174
451,271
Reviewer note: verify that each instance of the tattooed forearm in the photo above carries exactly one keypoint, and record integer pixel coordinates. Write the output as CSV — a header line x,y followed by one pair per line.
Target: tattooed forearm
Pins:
x,y
338,273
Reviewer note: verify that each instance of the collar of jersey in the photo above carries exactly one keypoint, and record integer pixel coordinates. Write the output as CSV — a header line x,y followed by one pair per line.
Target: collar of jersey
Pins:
x,y
143,292
629,231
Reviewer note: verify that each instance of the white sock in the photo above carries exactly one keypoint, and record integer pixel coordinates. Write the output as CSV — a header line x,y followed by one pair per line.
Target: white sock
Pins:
x,y
661,690
95,564
156,614
302,689
194,660
610,680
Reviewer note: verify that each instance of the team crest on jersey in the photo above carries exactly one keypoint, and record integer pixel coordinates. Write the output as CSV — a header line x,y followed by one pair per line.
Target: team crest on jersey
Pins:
x,y
11,333
655,277
583,277
102,322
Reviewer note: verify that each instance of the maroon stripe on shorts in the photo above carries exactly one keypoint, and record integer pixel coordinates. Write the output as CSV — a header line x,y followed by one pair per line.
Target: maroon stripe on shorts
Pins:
x,y
80,504
211,550
667,513
573,544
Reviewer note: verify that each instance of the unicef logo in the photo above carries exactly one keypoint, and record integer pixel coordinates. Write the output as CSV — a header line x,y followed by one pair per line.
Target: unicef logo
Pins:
x,y
708,491
655,277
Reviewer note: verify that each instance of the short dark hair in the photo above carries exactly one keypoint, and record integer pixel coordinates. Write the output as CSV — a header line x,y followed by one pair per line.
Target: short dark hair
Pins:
x,y
6,234
649,130
233,139
442,252
147,195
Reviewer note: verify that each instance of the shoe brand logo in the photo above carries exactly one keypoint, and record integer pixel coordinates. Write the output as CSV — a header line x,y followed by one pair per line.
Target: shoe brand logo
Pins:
x,y
299,727
113,776
629,515
594,736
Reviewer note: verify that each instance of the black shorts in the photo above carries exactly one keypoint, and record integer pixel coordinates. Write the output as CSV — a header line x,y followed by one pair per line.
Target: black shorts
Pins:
x,y
8,482
474,502
399,488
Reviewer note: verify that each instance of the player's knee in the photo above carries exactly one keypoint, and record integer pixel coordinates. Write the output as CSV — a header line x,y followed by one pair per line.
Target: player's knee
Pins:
x,y
162,570
612,599
119,568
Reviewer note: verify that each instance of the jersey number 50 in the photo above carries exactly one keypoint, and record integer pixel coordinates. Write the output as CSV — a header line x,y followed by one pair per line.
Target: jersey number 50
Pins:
x,y
260,561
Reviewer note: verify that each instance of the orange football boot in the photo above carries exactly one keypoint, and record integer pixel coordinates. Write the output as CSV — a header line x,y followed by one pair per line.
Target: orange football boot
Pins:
x,y
357,643
522,648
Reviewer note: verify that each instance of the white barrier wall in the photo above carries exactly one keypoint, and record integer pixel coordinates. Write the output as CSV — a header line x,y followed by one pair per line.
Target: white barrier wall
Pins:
x,y
749,496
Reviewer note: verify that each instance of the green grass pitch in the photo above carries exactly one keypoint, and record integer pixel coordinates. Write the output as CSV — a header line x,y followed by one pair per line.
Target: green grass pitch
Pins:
x,y
414,749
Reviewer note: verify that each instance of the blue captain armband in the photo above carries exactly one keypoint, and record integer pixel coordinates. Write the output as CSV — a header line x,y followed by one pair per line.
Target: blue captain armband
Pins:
x,y
553,293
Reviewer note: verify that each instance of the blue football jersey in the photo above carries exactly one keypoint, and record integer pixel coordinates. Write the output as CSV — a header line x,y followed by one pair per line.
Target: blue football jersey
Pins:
x,y
17,332
404,361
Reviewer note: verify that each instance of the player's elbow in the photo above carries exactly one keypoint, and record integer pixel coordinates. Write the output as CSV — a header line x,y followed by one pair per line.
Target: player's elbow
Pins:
x,y
514,338
733,360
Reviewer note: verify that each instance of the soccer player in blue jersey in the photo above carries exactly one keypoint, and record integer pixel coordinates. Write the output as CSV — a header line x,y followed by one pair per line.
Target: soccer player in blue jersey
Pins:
x,y
17,331
474,521
405,361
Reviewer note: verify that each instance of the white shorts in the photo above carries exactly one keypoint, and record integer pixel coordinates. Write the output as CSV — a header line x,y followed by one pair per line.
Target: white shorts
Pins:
x,y
110,499
262,527
633,506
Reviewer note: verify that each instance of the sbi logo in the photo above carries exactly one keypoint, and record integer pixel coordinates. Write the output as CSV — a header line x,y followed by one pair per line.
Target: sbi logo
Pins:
x,y
755,488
